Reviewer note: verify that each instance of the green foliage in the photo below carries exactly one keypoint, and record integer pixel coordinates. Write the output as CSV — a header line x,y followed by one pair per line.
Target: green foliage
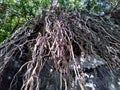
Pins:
x,y
3,34
14,13
95,6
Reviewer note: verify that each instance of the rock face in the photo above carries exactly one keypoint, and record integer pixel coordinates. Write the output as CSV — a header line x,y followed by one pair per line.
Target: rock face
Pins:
x,y
101,79
97,78
88,62
92,62
96,74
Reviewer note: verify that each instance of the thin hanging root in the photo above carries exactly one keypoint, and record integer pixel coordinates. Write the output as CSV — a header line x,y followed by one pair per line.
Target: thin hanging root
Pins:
x,y
31,80
78,76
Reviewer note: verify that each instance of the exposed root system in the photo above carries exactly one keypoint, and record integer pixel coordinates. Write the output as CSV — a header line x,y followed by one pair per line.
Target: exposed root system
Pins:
x,y
44,48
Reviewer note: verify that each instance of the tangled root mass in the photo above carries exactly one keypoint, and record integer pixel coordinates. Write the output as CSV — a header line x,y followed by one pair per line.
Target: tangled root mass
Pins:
x,y
53,52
